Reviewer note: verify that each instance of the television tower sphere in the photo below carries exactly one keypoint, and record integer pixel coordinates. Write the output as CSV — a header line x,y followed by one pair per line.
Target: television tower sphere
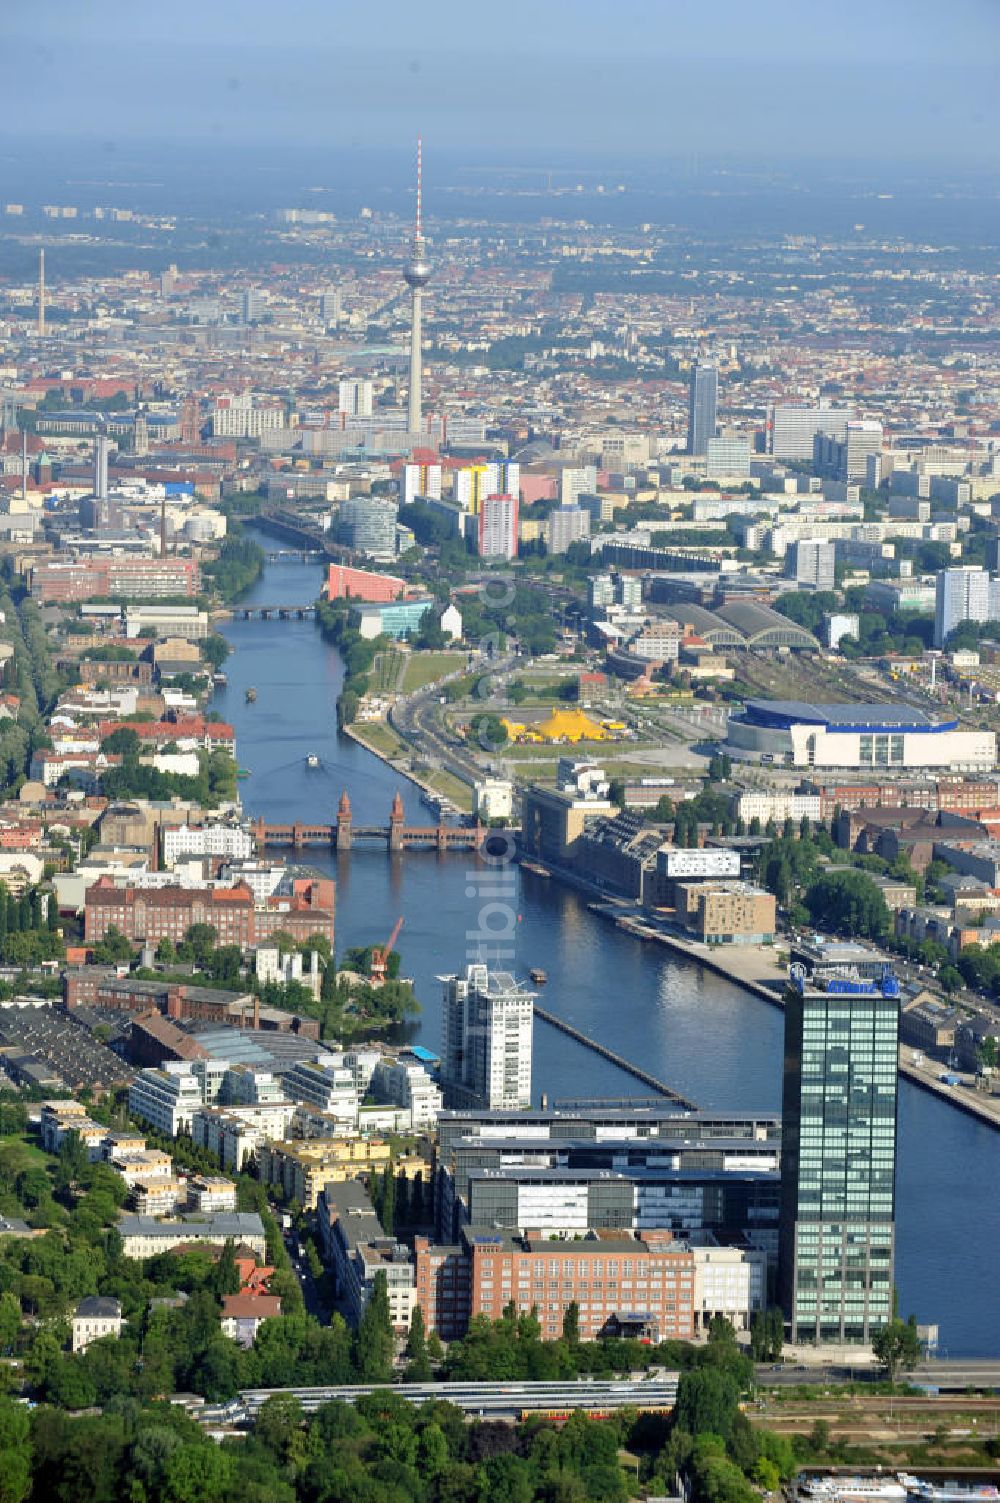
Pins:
x,y
418,273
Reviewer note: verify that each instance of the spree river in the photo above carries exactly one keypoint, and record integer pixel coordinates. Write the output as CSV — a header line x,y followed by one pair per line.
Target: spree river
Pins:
x,y
716,1044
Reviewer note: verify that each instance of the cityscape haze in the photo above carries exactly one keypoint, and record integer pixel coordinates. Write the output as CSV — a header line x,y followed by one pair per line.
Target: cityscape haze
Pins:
x,y
499,780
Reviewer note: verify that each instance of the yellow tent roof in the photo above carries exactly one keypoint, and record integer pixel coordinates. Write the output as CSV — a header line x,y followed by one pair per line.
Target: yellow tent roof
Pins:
x,y
571,725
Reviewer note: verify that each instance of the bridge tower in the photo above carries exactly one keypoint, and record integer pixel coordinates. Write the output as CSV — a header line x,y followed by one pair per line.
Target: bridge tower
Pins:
x,y
344,822
397,820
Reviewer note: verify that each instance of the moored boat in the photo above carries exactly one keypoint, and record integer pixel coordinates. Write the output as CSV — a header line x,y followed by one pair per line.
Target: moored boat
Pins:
x,y
831,1488
948,1492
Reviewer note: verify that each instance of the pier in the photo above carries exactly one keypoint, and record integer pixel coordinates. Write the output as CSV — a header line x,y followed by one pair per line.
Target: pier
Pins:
x,y
647,1078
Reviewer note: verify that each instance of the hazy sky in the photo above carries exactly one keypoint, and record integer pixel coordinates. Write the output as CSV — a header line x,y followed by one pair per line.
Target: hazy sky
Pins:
x,y
882,79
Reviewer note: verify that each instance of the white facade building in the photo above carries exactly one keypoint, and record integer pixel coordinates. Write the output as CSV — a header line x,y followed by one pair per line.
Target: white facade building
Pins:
x,y
231,841
326,1083
488,1028
406,1083
421,480
575,482
681,862
494,799
234,1133
793,427
498,527
811,561
451,622
271,964
729,1281
727,458
238,417
966,594
355,398
166,1099
95,1317
865,737
779,807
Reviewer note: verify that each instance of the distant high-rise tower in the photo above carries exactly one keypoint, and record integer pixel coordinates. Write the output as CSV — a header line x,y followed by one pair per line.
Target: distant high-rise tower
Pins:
x,y
331,306
253,305
702,404
189,421
41,292
417,276
101,467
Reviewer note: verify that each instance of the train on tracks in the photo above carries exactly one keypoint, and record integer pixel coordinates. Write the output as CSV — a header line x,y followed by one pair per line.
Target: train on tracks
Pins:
x,y
510,1401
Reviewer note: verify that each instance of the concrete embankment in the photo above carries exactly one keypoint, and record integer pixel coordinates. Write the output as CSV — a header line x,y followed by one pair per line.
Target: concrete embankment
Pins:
x,y
394,762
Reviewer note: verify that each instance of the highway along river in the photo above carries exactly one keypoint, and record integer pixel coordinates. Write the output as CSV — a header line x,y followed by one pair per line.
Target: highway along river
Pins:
x,y
714,1043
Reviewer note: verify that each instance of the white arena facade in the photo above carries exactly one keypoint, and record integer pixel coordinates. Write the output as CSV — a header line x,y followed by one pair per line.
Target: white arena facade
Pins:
x,y
856,737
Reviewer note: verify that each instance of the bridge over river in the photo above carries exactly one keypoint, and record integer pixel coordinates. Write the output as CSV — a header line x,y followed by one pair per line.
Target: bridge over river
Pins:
x,y
397,835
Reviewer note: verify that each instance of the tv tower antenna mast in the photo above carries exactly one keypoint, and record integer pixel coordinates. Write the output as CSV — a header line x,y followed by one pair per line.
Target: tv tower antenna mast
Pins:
x,y
417,275
41,292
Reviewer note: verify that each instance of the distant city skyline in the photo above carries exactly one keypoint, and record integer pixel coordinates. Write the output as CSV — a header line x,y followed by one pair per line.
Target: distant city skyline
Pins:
x,y
903,80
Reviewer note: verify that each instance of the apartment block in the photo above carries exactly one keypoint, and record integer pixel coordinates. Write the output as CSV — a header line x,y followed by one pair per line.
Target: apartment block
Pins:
x,y
149,915
303,1169
356,1249
722,913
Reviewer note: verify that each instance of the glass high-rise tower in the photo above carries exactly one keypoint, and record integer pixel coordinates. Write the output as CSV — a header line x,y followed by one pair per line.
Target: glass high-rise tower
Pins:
x,y
838,1158
703,398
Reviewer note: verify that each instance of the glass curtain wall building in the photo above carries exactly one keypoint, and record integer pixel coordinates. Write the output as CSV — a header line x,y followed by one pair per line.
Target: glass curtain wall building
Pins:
x,y
703,396
838,1161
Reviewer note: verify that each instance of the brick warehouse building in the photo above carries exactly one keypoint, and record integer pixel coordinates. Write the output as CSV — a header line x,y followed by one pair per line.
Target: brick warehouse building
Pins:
x,y
151,914
118,578
622,1285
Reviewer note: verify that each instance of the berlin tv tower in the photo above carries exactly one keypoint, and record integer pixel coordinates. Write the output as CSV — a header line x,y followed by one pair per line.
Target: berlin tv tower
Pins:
x,y
417,275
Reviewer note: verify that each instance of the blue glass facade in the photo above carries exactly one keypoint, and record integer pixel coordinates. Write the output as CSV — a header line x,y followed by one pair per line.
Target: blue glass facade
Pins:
x,y
838,1163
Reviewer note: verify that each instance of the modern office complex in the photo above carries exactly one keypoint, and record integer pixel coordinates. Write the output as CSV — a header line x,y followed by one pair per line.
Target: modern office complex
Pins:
x,y
847,458
636,1168
792,428
727,458
703,400
488,1023
838,1157
368,525
863,736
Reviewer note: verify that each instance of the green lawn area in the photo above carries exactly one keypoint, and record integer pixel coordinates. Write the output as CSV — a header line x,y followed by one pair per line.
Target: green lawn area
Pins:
x,y
424,668
444,782
386,671
33,1156
381,738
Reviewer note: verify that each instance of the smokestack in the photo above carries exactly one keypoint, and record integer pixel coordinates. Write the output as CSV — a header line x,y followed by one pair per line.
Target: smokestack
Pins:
x,y
163,526
41,292
24,464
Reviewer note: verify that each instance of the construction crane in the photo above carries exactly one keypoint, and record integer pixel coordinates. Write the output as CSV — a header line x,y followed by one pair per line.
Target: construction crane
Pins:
x,y
381,953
